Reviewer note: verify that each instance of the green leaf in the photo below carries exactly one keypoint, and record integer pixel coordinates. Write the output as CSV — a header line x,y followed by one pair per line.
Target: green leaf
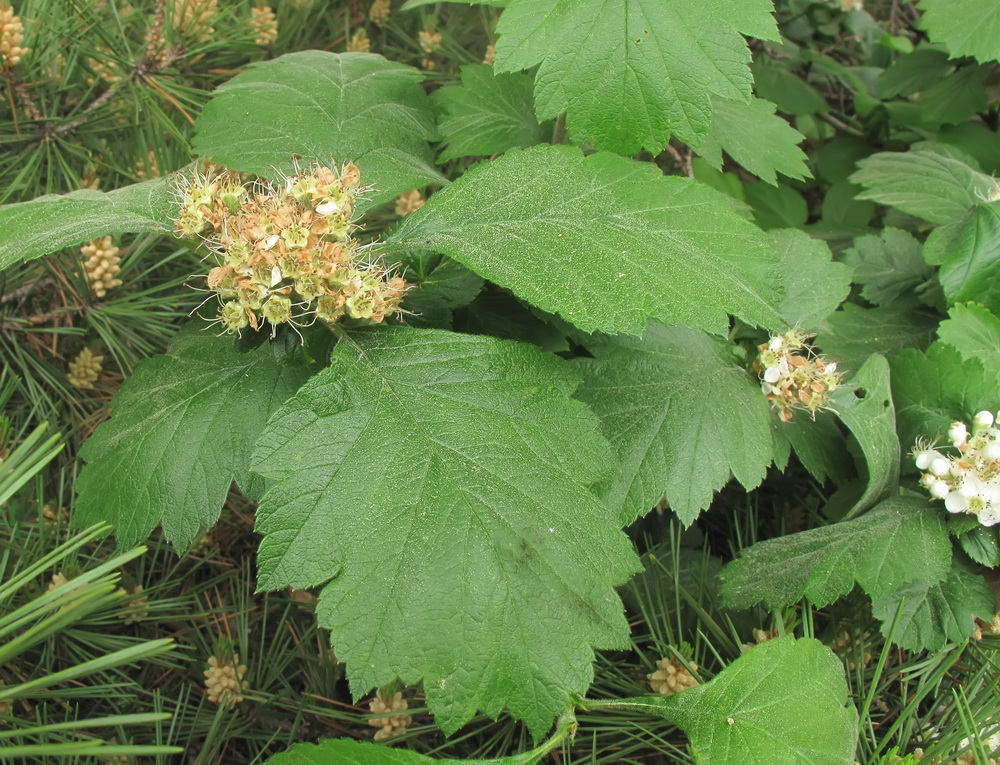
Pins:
x,y
814,284
606,242
489,114
680,413
819,445
181,431
890,265
955,98
929,184
934,614
975,333
855,333
44,225
792,94
442,285
630,74
755,137
980,543
969,254
329,107
933,389
345,751
497,313
776,207
966,27
865,407
898,541
784,700
439,480
913,73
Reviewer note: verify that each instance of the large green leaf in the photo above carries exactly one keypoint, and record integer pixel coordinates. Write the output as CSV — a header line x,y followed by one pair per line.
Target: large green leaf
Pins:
x,y
933,389
934,614
755,137
814,284
975,332
890,265
606,242
899,541
345,751
681,414
489,114
969,254
182,429
629,74
329,107
44,225
966,27
854,333
783,701
440,481
865,407
929,184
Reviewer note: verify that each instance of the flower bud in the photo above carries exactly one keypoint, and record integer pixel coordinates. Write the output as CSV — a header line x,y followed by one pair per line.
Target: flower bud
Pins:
x,y
939,490
958,433
982,419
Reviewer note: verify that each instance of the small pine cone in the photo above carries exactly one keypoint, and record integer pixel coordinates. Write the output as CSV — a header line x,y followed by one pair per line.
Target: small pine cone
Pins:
x,y
389,726
265,25
137,608
224,681
359,42
409,202
193,18
379,12
11,37
491,55
84,369
58,580
101,265
430,42
672,677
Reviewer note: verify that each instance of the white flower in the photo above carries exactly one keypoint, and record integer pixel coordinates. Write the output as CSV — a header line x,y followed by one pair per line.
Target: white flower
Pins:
x,y
776,343
831,367
958,434
992,451
974,496
982,420
327,207
925,458
939,490
940,466
772,375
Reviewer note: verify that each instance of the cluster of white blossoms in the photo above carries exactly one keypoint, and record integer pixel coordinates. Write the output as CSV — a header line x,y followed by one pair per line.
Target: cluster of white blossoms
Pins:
x,y
968,482
793,376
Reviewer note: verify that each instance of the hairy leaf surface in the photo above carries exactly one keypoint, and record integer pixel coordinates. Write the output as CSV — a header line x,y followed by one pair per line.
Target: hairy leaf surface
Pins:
x,y
606,242
890,265
865,407
966,27
681,414
899,541
784,700
814,283
488,114
182,429
629,73
44,225
975,332
346,751
440,481
854,333
753,135
933,389
934,614
329,107
969,253
929,184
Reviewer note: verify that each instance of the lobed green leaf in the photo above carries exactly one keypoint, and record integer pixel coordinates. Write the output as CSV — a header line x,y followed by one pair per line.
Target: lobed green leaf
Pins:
x,y
966,27
439,480
606,242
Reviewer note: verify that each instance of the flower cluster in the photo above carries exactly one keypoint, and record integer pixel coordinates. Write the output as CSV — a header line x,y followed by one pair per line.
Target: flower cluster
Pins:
x,y
672,677
265,25
193,19
359,42
84,369
101,265
285,249
379,12
224,681
409,202
396,723
793,376
11,37
968,482
137,608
